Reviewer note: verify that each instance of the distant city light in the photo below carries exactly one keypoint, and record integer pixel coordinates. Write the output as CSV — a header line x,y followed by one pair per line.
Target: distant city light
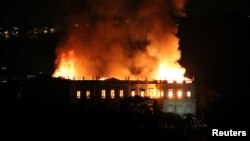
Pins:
x,y
36,32
3,81
30,76
3,68
52,30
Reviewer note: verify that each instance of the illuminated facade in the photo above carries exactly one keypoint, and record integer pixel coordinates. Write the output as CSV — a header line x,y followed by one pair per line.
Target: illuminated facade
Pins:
x,y
174,97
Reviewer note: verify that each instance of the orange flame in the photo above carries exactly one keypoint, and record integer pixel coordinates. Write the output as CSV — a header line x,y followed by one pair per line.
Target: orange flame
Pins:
x,y
66,69
66,66
171,74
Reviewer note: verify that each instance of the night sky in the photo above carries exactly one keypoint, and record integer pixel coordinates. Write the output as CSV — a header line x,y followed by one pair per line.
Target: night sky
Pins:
x,y
44,11
207,7
29,11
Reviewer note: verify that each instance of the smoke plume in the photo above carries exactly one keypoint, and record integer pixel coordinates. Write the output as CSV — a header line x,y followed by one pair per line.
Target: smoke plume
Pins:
x,y
120,38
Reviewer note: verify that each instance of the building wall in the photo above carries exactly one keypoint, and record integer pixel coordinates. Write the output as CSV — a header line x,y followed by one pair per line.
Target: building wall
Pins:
x,y
179,106
110,89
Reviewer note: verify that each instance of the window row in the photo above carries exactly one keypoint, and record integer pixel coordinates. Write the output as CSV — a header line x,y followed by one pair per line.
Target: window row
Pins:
x,y
103,94
178,94
152,94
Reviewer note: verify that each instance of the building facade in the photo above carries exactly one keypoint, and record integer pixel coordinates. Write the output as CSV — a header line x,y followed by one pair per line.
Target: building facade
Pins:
x,y
174,97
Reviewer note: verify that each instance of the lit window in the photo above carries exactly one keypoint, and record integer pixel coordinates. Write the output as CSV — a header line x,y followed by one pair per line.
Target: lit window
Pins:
x,y
78,94
133,93
87,94
103,94
151,92
154,94
158,94
170,94
162,93
142,93
121,93
179,94
188,94
112,93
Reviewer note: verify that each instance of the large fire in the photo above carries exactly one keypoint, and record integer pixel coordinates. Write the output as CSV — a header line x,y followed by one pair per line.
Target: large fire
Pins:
x,y
165,71
136,40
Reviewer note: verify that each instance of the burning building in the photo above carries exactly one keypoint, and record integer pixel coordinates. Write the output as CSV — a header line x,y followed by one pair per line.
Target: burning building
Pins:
x,y
174,96
125,38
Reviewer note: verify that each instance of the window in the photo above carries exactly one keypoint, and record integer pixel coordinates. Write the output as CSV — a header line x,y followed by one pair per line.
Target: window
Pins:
x,y
78,94
121,93
152,93
188,94
170,94
87,94
103,94
112,93
179,94
162,93
133,93
142,93
158,94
